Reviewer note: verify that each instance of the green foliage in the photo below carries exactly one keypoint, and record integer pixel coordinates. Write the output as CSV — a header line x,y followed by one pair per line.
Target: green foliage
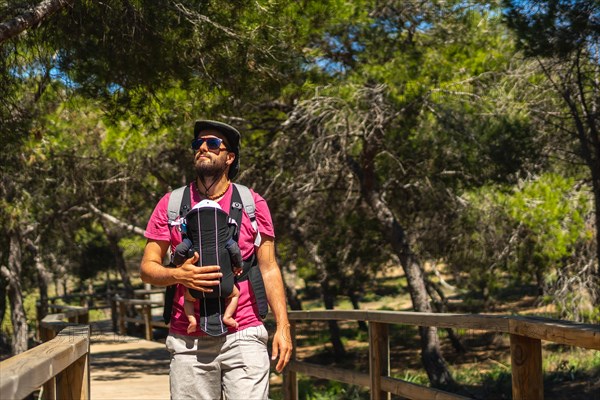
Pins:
x,y
310,390
552,218
530,232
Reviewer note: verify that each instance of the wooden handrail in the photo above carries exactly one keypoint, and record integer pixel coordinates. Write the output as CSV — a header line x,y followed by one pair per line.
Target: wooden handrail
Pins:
x,y
526,334
65,357
52,323
145,307
562,332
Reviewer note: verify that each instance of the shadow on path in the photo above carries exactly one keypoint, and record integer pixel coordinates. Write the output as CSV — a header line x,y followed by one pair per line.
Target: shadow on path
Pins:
x,y
125,367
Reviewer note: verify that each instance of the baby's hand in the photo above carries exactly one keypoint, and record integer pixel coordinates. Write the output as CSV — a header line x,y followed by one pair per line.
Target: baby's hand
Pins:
x,y
237,271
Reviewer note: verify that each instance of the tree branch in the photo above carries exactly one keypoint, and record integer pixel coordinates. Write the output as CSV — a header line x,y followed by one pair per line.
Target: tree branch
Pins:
x,y
117,221
30,18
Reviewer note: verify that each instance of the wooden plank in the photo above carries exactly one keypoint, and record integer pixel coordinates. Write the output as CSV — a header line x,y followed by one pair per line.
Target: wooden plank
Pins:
x,y
22,374
391,385
416,392
331,373
147,314
159,324
557,331
526,364
563,332
466,321
140,302
379,361
144,292
122,315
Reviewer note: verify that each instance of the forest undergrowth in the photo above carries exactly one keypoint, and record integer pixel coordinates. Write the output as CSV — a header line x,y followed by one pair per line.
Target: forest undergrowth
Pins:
x,y
482,369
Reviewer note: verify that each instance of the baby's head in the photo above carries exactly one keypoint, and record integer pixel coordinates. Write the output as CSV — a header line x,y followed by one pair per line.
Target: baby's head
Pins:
x,y
207,204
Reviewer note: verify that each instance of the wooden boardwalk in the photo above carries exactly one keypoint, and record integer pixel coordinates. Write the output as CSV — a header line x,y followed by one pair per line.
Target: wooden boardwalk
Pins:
x,y
127,368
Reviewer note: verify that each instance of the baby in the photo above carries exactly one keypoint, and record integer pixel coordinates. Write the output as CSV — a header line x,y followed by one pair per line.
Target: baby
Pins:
x,y
208,232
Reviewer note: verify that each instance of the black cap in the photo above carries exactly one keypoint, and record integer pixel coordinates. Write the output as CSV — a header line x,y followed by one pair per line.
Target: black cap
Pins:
x,y
231,135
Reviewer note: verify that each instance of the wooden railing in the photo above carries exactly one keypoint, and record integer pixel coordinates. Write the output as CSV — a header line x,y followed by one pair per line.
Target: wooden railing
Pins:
x,y
143,312
60,365
526,334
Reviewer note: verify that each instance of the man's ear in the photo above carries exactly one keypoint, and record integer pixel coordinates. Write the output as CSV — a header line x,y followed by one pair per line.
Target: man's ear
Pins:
x,y
230,158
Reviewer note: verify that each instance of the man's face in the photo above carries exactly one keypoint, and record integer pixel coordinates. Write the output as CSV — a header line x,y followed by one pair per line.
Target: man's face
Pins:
x,y
208,160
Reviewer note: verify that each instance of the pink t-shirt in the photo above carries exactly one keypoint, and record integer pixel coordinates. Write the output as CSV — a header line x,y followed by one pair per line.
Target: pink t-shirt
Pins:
x,y
158,229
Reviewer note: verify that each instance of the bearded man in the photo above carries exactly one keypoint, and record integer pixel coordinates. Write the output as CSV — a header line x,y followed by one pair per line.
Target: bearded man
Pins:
x,y
235,365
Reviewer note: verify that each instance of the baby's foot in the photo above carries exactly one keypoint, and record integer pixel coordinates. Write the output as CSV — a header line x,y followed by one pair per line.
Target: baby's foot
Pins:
x,y
229,321
192,326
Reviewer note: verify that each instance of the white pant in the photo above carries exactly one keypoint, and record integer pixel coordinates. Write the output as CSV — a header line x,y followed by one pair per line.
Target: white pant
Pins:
x,y
236,365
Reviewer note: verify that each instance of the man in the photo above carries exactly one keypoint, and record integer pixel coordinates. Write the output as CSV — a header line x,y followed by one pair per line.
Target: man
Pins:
x,y
237,364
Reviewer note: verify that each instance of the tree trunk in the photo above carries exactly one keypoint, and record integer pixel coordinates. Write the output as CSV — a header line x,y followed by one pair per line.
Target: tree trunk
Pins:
x,y
2,298
440,306
334,329
596,189
431,354
44,278
15,294
290,276
362,325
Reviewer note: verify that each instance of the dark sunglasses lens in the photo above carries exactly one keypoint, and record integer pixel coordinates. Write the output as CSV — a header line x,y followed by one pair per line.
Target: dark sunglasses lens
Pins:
x,y
211,143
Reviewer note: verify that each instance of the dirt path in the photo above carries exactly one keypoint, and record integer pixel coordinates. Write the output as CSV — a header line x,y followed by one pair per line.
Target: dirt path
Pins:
x,y
127,368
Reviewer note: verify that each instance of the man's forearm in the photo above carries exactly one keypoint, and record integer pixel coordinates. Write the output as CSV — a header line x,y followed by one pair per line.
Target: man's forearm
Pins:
x,y
272,279
276,295
151,269
156,274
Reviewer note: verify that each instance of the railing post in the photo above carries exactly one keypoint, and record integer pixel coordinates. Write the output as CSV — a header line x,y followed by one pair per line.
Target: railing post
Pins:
x,y
526,364
122,312
379,358
147,312
113,309
49,390
290,380
74,382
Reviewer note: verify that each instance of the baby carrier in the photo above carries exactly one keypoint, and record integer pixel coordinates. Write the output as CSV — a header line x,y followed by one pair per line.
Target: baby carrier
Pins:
x,y
213,233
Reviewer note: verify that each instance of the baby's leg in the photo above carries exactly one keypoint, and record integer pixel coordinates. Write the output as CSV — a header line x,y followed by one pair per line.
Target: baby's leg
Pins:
x,y
188,307
232,302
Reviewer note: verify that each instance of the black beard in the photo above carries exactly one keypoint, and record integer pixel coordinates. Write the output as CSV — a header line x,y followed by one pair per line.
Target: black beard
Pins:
x,y
212,169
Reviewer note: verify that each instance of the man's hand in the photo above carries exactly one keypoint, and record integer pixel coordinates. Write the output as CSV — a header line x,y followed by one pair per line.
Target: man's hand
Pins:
x,y
197,278
282,346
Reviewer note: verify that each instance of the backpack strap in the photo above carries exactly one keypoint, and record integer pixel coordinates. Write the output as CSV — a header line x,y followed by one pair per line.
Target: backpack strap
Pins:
x,y
247,201
179,203
241,198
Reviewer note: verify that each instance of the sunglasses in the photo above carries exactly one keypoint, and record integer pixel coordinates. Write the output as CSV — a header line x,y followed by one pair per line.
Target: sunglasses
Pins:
x,y
212,143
